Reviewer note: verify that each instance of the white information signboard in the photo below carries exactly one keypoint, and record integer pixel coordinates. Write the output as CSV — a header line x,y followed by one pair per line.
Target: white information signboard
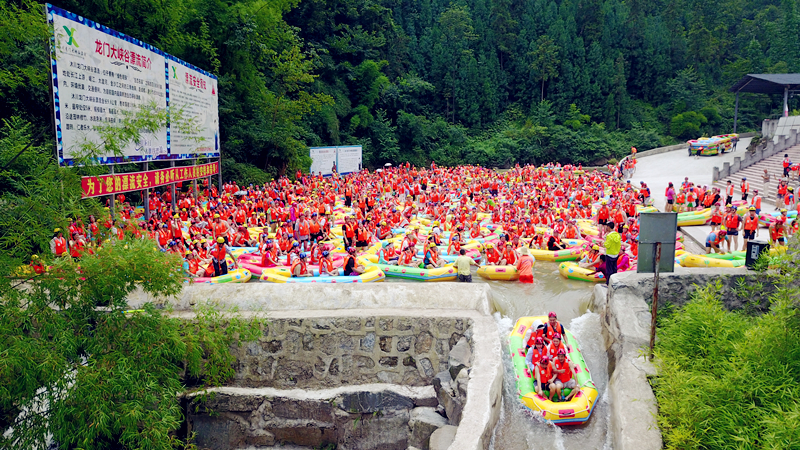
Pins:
x,y
98,74
323,160
346,159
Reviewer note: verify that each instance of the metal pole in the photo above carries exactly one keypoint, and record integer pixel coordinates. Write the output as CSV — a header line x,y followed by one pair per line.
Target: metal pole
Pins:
x,y
654,306
111,204
194,182
146,198
786,101
172,190
736,112
219,176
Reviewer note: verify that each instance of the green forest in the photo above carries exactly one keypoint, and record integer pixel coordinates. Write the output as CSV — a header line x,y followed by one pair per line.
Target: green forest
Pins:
x,y
457,82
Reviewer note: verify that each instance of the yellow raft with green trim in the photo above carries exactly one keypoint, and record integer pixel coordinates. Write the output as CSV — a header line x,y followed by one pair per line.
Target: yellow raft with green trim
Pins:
x,y
574,412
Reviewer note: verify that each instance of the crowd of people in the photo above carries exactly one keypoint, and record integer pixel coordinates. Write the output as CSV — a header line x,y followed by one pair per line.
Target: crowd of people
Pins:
x,y
297,218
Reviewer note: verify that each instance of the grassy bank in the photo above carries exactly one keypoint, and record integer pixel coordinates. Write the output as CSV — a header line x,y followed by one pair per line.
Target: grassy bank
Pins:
x,y
728,380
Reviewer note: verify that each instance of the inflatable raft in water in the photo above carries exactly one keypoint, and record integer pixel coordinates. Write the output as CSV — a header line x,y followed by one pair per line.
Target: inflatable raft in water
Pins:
x,y
504,273
573,271
446,273
233,276
573,412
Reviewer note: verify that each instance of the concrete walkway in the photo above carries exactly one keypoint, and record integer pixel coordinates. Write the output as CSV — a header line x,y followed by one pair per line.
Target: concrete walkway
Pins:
x,y
658,170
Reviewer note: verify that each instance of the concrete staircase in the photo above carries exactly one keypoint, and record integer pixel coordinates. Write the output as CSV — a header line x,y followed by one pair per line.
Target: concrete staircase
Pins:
x,y
774,165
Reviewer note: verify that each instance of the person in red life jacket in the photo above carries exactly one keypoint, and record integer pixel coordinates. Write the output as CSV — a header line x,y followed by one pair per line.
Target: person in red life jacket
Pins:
x,y
732,224
407,259
300,266
76,246
431,259
713,241
745,188
351,266
492,255
387,254
729,193
36,265
326,265
551,328
555,345
544,375
777,230
191,266
716,217
750,226
534,353
509,257
58,245
787,164
525,266
564,370
218,258
268,258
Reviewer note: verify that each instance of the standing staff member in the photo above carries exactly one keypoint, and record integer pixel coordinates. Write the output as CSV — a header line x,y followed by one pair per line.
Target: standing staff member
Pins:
x,y
613,245
750,226
745,187
218,258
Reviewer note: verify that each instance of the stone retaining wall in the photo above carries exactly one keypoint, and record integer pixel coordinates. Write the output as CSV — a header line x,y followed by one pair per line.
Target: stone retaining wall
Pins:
x,y
326,352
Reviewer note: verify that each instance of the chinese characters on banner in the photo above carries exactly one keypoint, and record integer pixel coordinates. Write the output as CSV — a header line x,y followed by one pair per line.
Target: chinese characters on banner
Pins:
x,y
125,182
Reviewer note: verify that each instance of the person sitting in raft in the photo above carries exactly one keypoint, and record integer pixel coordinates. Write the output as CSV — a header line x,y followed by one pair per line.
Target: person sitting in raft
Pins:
x,y
190,266
218,258
387,254
713,241
326,265
431,259
36,265
300,266
525,266
590,257
554,245
509,257
268,258
492,255
351,267
564,369
407,258
535,353
551,328
544,374
555,345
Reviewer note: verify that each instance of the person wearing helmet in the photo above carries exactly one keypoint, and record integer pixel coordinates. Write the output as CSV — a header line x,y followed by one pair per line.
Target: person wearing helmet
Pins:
x,y
326,265
544,375
509,256
750,226
555,345
407,259
431,260
351,266
300,266
492,255
58,245
563,369
732,223
387,254
551,328
36,265
535,353
714,241
269,254
590,257
190,265
218,260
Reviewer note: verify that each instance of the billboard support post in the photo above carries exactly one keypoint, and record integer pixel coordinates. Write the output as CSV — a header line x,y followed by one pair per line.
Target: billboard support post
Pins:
x,y
111,203
219,176
194,182
172,188
146,199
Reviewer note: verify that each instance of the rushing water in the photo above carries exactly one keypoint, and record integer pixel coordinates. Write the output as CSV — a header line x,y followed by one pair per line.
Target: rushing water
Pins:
x,y
518,428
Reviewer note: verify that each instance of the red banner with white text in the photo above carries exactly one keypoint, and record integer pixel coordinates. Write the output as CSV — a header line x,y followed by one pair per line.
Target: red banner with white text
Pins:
x,y
135,181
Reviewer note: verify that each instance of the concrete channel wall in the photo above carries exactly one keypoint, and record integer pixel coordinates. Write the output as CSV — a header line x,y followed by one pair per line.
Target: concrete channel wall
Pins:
x,y
424,317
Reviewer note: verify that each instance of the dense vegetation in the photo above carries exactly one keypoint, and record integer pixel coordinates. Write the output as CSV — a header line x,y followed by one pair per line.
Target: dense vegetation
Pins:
x,y
489,82
730,380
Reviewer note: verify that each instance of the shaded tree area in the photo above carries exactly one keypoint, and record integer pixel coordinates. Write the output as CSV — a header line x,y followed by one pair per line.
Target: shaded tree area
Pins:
x,y
470,81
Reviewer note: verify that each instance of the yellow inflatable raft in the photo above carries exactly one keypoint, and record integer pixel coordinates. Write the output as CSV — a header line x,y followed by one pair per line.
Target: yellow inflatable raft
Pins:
x,y
504,273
